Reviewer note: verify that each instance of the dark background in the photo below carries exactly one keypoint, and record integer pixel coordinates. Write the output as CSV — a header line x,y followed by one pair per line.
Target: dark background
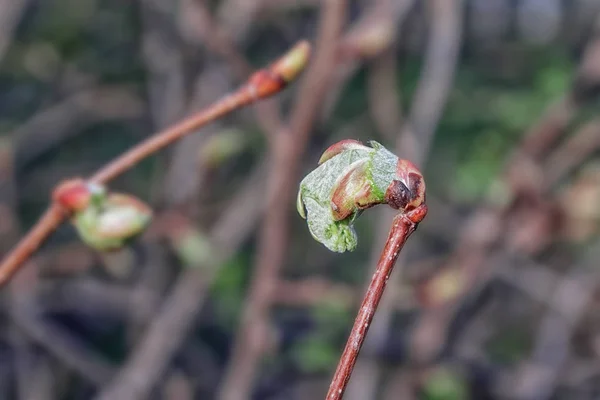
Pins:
x,y
496,296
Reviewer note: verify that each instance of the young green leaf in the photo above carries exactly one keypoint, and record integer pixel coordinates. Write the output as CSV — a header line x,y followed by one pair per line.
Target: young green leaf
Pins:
x,y
352,177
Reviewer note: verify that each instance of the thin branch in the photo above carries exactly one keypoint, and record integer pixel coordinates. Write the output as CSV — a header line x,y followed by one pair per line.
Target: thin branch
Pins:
x,y
436,79
83,108
413,142
262,84
59,343
177,315
10,16
286,151
402,228
538,377
573,152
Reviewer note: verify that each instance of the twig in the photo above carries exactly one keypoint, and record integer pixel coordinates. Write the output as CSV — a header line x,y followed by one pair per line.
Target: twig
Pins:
x,y
83,108
165,333
200,26
575,150
402,228
436,79
59,343
484,228
537,378
286,151
10,16
262,84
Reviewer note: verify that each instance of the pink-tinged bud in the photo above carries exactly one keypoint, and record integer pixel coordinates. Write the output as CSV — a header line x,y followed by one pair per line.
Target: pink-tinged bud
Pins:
x,y
289,66
407,191
341,146
74,195
222,146
271,80
353,191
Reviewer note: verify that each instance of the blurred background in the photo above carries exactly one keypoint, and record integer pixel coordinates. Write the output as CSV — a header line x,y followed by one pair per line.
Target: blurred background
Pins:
x,y
227,296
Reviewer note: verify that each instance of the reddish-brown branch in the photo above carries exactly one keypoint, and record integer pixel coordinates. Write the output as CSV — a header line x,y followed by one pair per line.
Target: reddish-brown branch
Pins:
x,y
262,84
402,228
287,150
47,224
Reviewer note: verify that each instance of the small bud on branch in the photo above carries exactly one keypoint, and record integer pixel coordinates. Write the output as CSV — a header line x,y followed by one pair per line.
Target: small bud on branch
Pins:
x,y
264,83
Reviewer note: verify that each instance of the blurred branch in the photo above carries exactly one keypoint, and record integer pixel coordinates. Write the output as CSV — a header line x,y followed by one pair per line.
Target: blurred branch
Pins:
x,y
582,144
56,340
62,120
312,292
163,57
198,26
176,317
385,105
264,83
371,35
521,179
540,375
11,12
285,153
435,82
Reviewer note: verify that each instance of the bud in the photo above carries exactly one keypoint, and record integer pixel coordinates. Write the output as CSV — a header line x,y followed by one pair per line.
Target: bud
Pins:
x,y
222,146
271,80
291,64
352,177
444,383
109,221
75,194
192,247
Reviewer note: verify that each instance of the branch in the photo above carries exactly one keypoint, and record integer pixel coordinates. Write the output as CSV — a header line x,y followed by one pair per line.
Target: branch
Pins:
x,y
286,151
178,313
262,84
402,228
413,142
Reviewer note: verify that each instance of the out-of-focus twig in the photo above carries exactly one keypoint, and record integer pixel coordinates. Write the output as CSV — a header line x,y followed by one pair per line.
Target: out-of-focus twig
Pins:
x,y
581,145
200,27
521,177
371,35
57,122
537,378
61,345
286,152
176,317
10,15
264,83
385,105
435,82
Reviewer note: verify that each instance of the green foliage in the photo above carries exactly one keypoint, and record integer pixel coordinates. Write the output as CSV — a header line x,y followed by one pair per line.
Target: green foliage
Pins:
x,y
509,345
227,290
444,384
486,116
318,352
